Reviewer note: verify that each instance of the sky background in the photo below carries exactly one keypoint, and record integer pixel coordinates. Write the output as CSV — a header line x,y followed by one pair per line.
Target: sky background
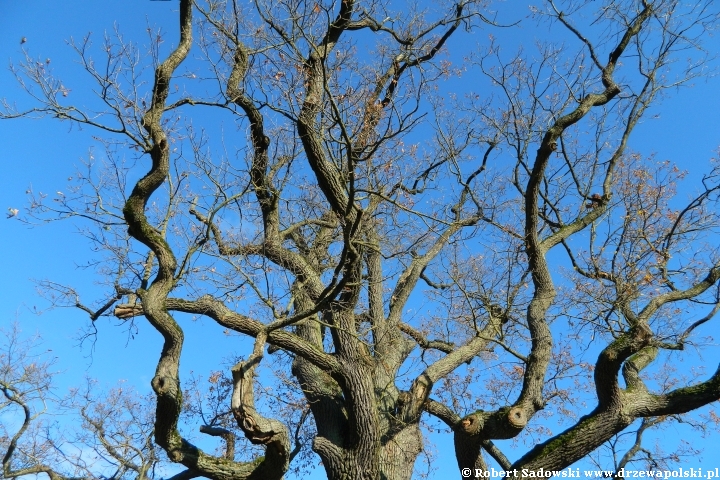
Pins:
x,y
42,154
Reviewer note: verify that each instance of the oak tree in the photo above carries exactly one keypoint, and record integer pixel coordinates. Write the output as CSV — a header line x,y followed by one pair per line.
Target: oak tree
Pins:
x,y
404,233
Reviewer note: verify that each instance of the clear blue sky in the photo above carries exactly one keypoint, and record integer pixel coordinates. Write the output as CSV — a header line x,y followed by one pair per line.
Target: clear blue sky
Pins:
x,y
41,154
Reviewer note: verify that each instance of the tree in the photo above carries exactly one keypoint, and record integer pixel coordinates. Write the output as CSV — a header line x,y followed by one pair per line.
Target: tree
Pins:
x,y
112,433
359,181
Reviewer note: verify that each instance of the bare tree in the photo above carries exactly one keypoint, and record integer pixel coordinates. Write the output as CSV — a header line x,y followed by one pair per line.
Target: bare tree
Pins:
x,y
85,435
25,383
356,184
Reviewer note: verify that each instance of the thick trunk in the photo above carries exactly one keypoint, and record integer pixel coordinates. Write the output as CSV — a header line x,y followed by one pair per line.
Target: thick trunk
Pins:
x,y
398,455
349,468
396,459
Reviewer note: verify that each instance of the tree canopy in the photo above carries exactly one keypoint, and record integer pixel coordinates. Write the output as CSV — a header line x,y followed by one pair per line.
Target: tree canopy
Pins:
x,y
412,232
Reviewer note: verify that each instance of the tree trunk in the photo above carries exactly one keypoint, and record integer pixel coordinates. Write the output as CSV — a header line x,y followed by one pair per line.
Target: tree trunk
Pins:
x,y
398,455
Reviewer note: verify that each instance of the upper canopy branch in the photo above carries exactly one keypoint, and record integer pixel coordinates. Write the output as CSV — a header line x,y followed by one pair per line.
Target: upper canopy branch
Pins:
x,y
542,280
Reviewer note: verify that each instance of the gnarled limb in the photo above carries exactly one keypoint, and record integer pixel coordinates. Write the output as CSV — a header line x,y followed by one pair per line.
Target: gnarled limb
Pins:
x,y
258,429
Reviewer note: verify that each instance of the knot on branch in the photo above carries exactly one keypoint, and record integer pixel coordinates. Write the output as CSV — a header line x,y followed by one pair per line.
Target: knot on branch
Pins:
x,y
160,146
472,424
517,417
258,430
164,385
547,147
